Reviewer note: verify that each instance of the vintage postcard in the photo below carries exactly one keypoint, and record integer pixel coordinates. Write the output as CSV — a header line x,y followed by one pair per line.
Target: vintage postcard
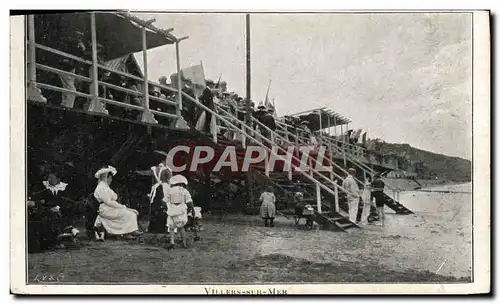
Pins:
x,y
250,153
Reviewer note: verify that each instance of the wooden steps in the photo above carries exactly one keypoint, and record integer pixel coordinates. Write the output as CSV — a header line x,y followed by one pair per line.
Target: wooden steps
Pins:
x,y
335,222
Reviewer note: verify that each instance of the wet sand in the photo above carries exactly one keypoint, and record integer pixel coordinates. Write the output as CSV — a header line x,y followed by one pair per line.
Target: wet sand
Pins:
x,y
410,248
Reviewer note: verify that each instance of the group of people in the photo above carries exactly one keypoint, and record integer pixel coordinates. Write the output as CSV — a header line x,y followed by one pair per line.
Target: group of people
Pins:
x,y
52,213
372,191
371,194
172,207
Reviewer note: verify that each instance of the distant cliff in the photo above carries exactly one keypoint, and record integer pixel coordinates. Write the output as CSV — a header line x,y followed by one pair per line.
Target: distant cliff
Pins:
x,y
430,165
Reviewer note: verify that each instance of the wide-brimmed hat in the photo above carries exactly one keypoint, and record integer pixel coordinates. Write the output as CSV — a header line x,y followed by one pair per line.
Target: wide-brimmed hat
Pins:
x,y
352,170
178,179
304,122
106,170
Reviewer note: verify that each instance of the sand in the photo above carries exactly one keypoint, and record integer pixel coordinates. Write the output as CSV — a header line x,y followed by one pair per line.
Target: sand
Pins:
x,y
432,245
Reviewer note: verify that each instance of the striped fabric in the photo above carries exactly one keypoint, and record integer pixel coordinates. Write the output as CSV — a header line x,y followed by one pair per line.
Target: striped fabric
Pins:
x,y
118,64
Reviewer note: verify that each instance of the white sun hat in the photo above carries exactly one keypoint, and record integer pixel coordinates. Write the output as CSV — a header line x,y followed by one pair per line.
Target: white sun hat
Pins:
x,y
178,179
106,170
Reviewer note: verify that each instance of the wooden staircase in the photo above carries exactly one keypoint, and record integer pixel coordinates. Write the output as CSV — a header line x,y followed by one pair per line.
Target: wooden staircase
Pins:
x,y
327,220
396,206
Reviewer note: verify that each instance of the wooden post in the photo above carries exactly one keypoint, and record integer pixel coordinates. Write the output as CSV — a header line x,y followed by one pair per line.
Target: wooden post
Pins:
x,y
213,128
95,80
33,92
335,128
343,145
147,116
248,115
243,135
95,105
179,82
318,197
266,163
336,197
329,134
320,128
179,122
145,60
31,51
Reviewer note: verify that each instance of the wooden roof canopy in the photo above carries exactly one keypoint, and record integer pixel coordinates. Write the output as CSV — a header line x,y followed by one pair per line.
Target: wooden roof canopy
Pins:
x,y
329,118
119,33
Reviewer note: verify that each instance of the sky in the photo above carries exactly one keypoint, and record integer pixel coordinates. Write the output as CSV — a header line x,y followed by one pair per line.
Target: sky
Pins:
x,y
403,78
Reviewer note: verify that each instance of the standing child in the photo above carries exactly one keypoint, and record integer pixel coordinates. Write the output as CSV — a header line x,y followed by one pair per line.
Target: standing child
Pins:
x,y
268,207
177,202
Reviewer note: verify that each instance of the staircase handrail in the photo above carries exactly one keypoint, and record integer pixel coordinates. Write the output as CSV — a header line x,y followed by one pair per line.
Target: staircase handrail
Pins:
x,y
283,150
280,157
360,165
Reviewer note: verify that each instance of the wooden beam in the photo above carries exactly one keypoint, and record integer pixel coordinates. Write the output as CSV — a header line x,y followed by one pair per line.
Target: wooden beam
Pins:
x,y
308,111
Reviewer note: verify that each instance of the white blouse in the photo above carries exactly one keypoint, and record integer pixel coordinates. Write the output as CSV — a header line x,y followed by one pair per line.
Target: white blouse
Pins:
x,y
104,194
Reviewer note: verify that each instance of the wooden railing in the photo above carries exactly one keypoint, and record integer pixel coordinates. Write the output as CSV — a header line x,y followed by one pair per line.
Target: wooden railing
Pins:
x,y
97,102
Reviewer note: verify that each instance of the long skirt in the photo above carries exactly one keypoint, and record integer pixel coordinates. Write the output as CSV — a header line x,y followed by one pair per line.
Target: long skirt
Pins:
x,y
116,220
267,210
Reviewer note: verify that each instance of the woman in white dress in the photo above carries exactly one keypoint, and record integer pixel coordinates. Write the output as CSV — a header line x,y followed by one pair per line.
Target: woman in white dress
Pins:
x,y
268,207
115,218
177,200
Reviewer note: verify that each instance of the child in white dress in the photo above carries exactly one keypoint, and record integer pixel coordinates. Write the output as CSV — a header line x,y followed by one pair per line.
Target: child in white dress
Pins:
x,y
177,200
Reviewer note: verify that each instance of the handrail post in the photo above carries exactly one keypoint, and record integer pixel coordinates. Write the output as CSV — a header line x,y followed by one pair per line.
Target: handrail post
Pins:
x,y
95,105
320,128
179,122
243,137
318,197
213,128
343,145
336,189
147,116
179,80
33,92
266,163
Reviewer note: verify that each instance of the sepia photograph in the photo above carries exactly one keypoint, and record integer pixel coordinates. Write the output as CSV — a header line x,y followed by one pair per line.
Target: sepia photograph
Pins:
x,y
250,153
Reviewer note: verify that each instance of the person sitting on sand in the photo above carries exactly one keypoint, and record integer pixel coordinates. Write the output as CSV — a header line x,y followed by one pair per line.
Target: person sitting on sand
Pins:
x,y
308,213
49,216
378,193
177,201
115,218
268,207
299,204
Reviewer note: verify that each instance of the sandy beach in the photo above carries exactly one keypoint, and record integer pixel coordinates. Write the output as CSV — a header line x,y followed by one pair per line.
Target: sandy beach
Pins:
x,y
432,245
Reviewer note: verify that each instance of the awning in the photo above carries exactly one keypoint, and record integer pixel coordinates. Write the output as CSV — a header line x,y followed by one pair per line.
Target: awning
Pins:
x,y
328,119
118,35
126,64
